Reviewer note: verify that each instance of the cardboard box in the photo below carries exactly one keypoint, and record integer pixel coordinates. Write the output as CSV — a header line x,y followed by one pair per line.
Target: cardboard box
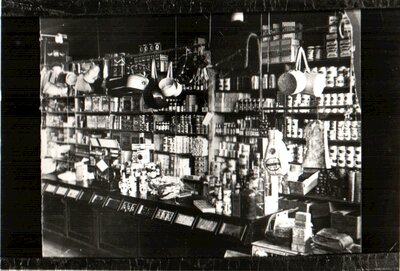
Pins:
x,y
263,248
294,35
348,222
285,203
307,182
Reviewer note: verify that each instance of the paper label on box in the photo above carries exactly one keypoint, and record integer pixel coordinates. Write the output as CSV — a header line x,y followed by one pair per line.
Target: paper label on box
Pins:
x,y
102,165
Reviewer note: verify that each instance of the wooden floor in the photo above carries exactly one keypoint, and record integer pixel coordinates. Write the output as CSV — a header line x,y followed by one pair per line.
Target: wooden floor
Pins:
x,y
54,245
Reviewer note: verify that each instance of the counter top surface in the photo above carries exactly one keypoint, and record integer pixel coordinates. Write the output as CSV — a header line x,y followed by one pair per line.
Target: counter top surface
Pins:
x,y
184,204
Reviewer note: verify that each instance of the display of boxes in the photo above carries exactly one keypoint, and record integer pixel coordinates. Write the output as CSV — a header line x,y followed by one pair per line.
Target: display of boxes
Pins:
x,y
225,102
302,232
348,222
280,51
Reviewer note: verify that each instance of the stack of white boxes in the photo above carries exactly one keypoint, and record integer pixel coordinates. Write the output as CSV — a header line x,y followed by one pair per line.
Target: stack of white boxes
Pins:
x,y
332,46
283,46
345,42
302,232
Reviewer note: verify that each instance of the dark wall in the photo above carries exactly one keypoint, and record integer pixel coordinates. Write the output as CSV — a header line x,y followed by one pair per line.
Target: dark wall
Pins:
x,y
91,37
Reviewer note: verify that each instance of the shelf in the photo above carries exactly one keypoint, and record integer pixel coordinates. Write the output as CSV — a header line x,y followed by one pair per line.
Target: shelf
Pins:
x,y
80,154
336,90
248,136
82,145
313,196
92,113
249,91
130,131
253,113
63,160
59,127
59,112
333,142
130,113
194,92
178,113
337,61
54,98
321,116
225,157
179,134
93,129
172,153
62,142
90,95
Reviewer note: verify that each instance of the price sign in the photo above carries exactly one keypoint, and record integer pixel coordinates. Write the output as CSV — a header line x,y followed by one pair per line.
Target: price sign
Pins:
x,y
164,215
112,203
61,190
50,188
146,211
98,200
185,220
231,230
73,193
206,225
85,196
128,207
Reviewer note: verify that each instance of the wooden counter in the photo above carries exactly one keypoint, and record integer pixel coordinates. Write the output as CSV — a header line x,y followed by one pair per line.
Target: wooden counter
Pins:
x,y
142,227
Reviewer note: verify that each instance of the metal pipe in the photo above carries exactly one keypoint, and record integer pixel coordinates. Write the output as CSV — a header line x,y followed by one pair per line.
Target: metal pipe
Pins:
x,y
251,35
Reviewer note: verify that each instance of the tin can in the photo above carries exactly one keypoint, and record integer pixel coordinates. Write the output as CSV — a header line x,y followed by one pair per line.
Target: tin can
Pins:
x,y
310,53
300,133
272,81
323,70
151,47
332,71
265,81
317,52
350,163
348,99
330,81
340,80
227,84
221,84
141,49
145,48
157,46
255,82
341,162
333,151
354,134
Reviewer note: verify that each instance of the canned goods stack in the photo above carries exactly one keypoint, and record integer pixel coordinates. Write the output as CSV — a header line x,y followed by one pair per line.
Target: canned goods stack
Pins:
x,y
178,144
239,83
227,149
345,156
335,102
296,152
149,47
295,102
332,46
292,128
345,42
200,165
269,81
226,102
251,105
314,53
